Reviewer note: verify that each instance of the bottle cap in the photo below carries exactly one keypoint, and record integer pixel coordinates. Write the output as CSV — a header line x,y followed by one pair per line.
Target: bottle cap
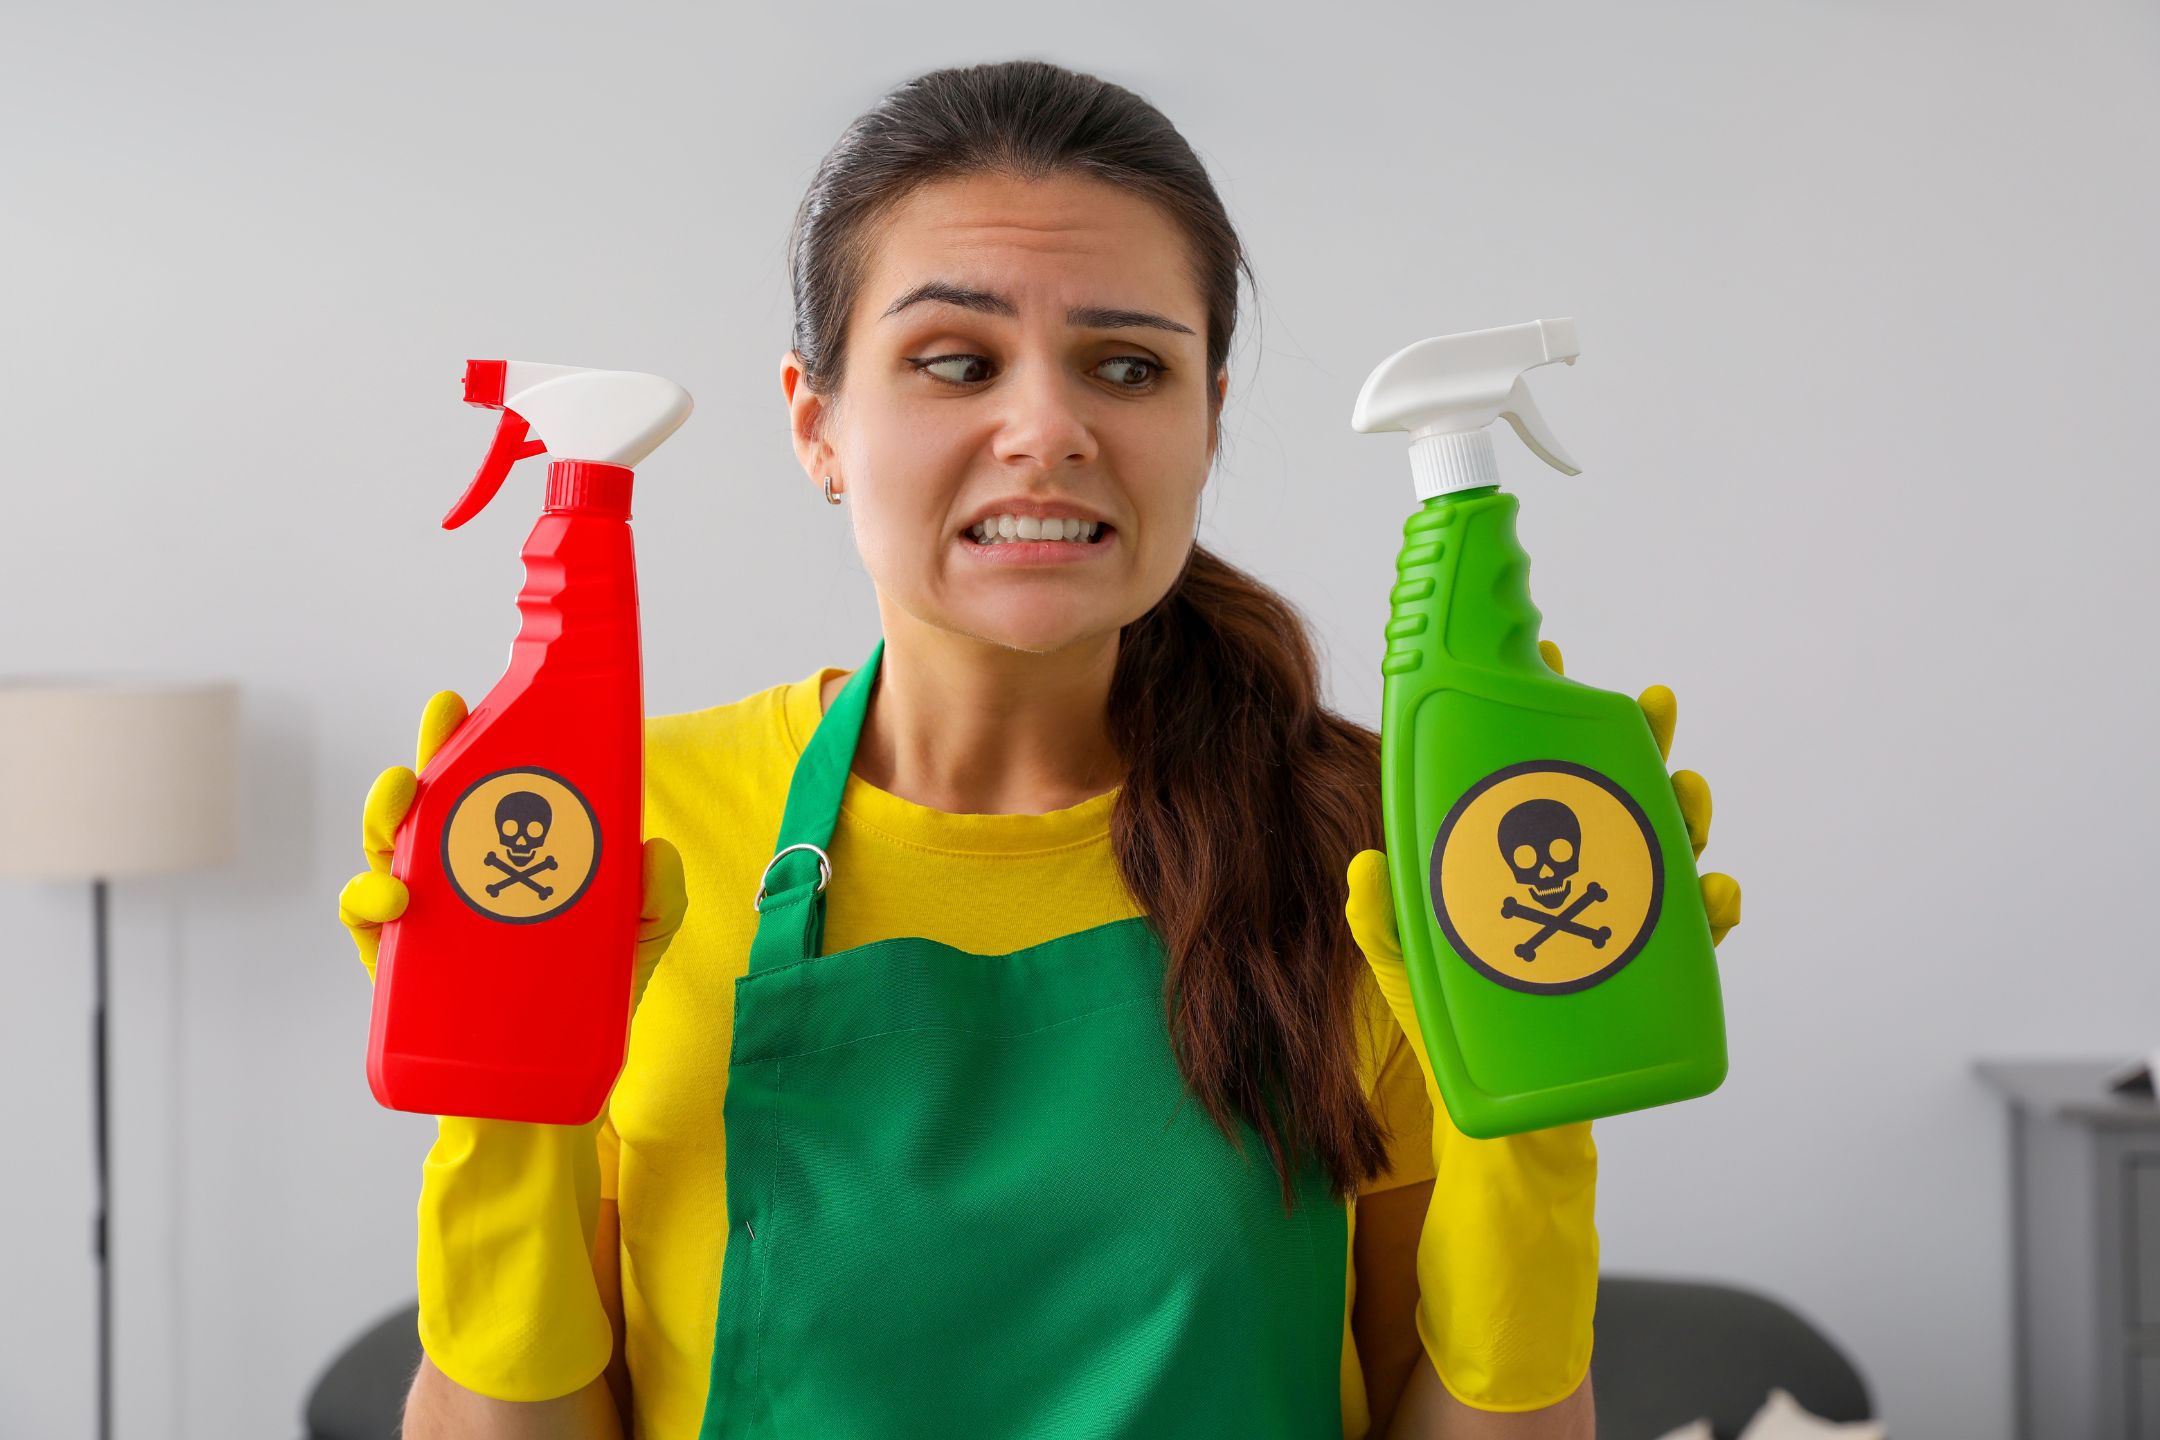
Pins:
x,y
1446,390
608,418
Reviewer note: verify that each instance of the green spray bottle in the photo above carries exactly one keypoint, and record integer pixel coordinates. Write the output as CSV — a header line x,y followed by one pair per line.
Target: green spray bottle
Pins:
x,y
1545,889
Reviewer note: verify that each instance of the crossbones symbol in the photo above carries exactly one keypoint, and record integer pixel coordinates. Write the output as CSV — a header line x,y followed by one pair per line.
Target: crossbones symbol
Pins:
x,y
520,877
1562,920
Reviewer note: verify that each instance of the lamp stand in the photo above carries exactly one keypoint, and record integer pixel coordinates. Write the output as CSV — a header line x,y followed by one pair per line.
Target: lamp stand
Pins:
x,y
99,1241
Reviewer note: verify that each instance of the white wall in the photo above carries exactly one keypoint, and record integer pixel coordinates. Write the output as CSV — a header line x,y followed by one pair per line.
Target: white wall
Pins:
x,y
1866,300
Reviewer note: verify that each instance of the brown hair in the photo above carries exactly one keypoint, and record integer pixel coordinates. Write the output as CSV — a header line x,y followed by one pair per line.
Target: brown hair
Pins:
x,y
1245,797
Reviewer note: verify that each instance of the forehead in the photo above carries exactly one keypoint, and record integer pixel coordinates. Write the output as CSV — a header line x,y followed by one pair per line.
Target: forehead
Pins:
x,y
1053,241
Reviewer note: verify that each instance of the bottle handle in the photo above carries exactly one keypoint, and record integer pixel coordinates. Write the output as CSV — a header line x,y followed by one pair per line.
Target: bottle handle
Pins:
x,y
513,442
1529,422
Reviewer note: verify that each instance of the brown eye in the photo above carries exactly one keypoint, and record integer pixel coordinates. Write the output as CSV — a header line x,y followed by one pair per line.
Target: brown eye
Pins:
x,y
1146,374
976,368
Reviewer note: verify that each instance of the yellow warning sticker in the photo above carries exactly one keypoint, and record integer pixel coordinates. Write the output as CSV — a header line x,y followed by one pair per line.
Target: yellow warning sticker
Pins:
x,y
521,845
1547,877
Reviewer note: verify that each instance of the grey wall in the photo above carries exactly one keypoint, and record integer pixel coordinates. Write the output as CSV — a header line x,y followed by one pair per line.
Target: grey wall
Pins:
x,y
1867,310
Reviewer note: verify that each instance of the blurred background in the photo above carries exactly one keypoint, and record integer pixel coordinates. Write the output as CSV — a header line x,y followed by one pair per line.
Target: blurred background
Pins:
x,y
1866,300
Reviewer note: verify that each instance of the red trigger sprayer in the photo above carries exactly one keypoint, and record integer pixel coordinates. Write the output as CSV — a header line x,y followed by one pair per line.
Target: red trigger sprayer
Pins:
x,y
503,991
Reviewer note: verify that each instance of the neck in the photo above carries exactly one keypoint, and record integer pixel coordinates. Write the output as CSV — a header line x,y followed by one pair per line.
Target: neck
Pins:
x,y
973,728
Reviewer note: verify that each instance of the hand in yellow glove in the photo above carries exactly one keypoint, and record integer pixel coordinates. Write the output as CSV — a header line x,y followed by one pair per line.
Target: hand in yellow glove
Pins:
x,y
509,1307
1507,1262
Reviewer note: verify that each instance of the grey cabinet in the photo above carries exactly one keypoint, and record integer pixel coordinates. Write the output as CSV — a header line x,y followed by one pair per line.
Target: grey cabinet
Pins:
x,y
2085,1221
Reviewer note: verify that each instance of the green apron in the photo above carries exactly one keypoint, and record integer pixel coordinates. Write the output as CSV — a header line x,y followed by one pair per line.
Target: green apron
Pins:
x,y
969,1195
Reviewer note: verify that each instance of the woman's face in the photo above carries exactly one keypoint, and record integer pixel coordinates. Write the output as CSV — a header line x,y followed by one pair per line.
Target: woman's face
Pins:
x,y
1021,349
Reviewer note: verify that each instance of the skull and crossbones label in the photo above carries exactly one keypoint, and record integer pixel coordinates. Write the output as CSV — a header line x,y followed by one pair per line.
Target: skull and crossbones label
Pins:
x,y
1546,877
521,845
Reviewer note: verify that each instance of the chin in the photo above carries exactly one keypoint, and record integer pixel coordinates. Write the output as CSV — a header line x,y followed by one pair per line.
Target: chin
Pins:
x,y
1036,636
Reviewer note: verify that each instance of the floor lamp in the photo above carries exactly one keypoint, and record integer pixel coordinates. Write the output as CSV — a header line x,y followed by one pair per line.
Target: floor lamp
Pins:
x,y
103,777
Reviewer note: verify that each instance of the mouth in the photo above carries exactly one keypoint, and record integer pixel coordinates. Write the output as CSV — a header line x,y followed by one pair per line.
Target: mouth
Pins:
x,y
1020,529
1089,538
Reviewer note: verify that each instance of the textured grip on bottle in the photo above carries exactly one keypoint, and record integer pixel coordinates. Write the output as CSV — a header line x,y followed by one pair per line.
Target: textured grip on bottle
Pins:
x,y
1417,569
1462,591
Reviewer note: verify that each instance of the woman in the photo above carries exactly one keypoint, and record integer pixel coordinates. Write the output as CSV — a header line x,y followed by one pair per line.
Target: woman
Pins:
x,y
977,920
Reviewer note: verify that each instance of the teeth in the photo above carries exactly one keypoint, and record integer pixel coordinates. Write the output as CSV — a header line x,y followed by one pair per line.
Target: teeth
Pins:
x,y
1000,529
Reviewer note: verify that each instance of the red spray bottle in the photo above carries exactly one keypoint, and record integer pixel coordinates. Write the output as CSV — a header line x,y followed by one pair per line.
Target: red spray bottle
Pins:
x,y
503,991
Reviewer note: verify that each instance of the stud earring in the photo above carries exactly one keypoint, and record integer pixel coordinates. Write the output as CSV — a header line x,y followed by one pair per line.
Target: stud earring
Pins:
x,y
830,498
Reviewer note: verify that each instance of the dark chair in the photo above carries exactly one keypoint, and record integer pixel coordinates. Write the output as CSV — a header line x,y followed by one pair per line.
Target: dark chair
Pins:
x,y
1668,1352
361,1396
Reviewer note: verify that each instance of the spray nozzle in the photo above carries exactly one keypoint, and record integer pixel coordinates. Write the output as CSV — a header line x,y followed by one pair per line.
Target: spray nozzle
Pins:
x,y
1446,390
609,417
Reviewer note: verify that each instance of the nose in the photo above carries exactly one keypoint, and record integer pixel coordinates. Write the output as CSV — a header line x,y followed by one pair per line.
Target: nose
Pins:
x,y
1042,421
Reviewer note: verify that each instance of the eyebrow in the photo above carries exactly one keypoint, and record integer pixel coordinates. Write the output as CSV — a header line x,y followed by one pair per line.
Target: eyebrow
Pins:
x,y
989,302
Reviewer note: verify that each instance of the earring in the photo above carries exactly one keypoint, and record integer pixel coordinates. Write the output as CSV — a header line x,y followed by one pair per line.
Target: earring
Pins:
x,y
830,498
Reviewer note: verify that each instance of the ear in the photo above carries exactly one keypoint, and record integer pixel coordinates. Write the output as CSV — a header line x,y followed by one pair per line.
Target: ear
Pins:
x,y
808,416
1222,394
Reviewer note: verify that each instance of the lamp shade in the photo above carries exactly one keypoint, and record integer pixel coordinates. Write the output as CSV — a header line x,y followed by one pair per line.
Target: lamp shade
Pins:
x,y
117,775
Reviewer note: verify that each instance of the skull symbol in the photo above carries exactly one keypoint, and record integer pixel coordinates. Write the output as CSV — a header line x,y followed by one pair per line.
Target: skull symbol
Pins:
x,y
522,819
1542,842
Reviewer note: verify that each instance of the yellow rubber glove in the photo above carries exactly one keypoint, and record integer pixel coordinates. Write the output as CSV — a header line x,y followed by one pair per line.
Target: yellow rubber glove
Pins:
x,y
509,1307
1508,1259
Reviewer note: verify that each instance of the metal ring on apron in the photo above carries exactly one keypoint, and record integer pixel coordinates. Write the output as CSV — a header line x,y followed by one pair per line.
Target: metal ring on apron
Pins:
x,y
824,866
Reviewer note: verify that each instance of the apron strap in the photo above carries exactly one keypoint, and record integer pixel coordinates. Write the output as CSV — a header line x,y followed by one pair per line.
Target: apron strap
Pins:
x,y
791,909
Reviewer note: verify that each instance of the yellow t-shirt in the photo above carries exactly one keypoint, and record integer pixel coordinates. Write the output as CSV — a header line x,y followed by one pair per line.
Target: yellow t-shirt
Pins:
x,y
716,782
